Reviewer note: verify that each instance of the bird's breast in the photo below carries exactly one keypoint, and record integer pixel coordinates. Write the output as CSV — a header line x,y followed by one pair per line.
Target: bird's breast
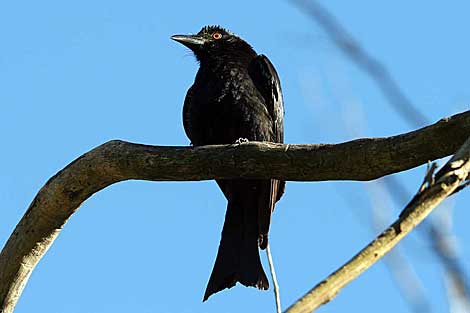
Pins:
x,y
224,107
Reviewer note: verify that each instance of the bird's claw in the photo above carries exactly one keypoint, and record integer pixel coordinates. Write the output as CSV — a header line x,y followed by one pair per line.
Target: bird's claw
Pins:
x,y
240,140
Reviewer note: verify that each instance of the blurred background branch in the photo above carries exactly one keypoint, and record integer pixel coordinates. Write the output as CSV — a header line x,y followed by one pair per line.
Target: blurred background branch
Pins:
x,y
353,50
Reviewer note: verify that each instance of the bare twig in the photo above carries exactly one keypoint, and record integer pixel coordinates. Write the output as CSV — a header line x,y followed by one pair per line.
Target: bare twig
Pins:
x,y
416,211
277,294
429,177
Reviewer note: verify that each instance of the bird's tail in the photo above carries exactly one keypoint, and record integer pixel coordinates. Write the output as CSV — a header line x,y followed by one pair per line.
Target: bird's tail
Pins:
x,y
238,256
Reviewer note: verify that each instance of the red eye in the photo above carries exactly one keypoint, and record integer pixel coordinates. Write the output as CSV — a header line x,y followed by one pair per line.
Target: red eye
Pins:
x,y
216,36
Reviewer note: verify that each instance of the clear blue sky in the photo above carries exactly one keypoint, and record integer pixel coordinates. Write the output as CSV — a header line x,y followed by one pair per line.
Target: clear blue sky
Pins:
x,y
76,74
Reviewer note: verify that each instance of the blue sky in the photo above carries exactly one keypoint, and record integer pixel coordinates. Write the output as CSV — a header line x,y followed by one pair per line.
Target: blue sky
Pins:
x,y
76,74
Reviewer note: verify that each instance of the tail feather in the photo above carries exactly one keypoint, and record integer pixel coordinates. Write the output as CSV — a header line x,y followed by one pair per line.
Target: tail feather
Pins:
x,y
238,255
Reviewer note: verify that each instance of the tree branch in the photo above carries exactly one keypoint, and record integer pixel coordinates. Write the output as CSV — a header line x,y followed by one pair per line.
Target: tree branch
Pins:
x,y
116,161
434,192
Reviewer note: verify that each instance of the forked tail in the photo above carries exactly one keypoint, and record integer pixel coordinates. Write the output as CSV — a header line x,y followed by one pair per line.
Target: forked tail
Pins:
x,y
238,256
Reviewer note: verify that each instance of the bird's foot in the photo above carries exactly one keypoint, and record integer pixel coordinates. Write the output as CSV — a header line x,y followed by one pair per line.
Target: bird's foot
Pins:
x,y
240,140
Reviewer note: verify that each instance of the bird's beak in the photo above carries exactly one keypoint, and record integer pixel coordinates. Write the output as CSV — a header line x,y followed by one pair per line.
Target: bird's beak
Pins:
x,y
190,41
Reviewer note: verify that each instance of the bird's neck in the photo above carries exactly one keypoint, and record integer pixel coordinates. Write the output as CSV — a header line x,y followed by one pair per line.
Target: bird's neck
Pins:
x,y
218,64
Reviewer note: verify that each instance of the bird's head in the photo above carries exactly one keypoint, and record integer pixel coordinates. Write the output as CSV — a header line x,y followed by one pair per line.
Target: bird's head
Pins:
x,y
214,43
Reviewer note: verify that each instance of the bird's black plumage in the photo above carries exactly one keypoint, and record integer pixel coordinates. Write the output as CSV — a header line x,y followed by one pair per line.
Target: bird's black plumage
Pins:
x,y
236,94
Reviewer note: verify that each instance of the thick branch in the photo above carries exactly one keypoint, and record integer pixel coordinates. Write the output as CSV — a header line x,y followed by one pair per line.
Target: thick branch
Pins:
x,y
115,161
431,193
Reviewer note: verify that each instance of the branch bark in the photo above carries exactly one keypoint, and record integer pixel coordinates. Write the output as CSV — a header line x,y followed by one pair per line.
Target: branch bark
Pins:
x,y
115,161
433,191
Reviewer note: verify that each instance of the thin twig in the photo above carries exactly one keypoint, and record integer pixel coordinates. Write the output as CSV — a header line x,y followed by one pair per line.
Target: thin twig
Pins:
x,y
429,177
277,294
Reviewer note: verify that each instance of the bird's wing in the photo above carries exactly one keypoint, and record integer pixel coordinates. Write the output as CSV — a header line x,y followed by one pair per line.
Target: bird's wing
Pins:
x,y
264,76
186,114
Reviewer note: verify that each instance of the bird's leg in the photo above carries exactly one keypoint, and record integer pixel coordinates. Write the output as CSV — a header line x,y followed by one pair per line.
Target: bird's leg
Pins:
x,y
240,140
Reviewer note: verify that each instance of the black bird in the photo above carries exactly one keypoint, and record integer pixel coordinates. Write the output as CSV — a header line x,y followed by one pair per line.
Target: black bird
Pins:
x,y
236,95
